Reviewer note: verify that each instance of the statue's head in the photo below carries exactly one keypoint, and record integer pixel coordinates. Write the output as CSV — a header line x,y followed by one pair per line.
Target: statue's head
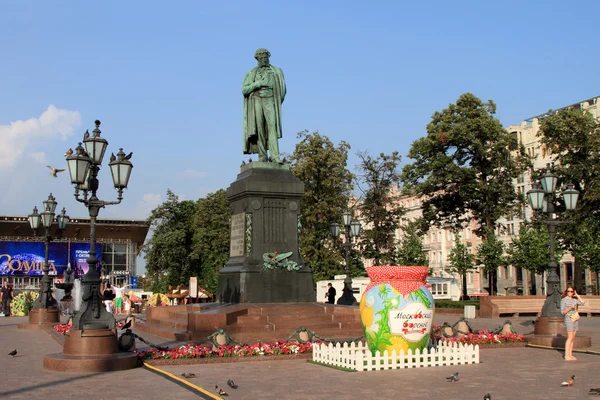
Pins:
x,y
262,56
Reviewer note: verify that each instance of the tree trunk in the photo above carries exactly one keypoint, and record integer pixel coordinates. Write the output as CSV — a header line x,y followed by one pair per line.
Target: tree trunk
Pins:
x,y
533,284
464,287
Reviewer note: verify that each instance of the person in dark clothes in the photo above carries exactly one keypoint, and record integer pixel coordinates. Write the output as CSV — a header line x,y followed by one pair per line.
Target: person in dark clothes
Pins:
x,y
6,294
330,294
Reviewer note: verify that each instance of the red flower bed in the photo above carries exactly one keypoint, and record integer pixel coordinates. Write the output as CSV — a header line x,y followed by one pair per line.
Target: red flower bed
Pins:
x,y
249,350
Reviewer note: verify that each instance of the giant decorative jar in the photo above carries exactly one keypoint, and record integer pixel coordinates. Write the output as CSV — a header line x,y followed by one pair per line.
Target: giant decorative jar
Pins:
x,y
397,308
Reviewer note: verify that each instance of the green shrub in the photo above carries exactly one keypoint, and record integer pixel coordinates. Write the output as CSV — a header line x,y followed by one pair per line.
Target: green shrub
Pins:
x,y
456,304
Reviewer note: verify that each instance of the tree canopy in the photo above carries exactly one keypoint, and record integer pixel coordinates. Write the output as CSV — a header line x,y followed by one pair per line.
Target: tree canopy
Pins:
x,y
210,249
465,166
167,252
461,261
322,167
411,250
378,180
490,255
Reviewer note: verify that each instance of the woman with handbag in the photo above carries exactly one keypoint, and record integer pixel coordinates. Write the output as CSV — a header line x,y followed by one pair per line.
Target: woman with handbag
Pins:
x,y
568,306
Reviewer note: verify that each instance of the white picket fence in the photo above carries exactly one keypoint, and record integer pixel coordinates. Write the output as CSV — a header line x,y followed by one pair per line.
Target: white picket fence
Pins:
x,y
357,356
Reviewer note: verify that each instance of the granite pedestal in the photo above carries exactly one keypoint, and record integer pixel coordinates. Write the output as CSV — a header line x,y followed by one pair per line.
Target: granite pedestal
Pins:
x,y
265,204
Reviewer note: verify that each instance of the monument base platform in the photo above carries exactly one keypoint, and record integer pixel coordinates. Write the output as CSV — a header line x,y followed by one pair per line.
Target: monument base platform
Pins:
x,y
550,331
113,362
250,323
44,316
93,350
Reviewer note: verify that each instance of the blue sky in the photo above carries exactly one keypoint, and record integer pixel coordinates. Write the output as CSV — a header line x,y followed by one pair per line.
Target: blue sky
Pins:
x,y
165,80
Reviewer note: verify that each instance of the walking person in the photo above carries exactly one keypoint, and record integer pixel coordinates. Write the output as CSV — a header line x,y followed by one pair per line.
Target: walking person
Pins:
x,y
6,294
568,306
108,297
330,294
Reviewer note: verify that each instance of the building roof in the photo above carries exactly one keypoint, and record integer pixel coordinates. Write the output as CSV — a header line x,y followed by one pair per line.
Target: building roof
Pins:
x,y
79,229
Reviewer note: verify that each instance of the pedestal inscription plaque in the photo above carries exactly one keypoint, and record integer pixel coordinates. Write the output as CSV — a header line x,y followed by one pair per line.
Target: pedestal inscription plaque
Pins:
x,y
238,225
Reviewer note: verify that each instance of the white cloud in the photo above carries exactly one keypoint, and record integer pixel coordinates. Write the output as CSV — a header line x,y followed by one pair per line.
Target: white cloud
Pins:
x,y
148,203
19,137
39,156
191,174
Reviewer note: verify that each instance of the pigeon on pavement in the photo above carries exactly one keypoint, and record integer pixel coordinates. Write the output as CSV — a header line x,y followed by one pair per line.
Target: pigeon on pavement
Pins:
x,y
595,391
569,381
220,391
188,375
453,378
487,397
231,384
13,353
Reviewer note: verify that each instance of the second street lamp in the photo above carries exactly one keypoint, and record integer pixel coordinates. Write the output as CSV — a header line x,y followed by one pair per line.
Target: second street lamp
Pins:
x,y
352,229
542,198
45,306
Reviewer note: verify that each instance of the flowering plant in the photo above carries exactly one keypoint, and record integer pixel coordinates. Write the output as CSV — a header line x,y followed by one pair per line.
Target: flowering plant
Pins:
x,y
63,328
159,299
248,350
23,303
480,337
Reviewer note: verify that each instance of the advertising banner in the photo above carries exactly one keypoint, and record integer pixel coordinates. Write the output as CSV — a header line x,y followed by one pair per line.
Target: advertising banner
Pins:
x,y
27,258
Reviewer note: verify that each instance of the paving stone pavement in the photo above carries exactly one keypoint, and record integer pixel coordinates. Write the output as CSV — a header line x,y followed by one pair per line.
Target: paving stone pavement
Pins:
x,y
518,373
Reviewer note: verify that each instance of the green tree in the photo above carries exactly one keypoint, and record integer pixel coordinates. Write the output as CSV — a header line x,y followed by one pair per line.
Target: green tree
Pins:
x,y
490,254
411,250
571,140
167,252
461,262
210,250
465,166
380,211
322,167
587,247
530,250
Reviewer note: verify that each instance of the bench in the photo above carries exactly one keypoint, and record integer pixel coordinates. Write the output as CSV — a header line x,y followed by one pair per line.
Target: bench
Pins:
x,y
592,305
497,306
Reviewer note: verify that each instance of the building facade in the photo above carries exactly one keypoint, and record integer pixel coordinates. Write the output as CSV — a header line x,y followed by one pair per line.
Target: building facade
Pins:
x,y
22,251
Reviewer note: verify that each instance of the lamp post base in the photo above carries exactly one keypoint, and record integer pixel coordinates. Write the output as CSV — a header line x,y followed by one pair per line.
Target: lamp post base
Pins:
x,y
550,331
347,298
93,350
41,317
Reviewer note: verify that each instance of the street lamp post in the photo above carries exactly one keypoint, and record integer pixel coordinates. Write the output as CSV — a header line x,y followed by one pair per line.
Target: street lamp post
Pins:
x,y
44,307
84,166
352,229
542,198
91,345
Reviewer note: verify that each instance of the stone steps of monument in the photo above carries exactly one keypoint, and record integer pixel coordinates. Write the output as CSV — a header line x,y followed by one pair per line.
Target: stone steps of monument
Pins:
x,y
249,327
346,317
288,308
179,323
178,314
164,331
311,325
278,318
